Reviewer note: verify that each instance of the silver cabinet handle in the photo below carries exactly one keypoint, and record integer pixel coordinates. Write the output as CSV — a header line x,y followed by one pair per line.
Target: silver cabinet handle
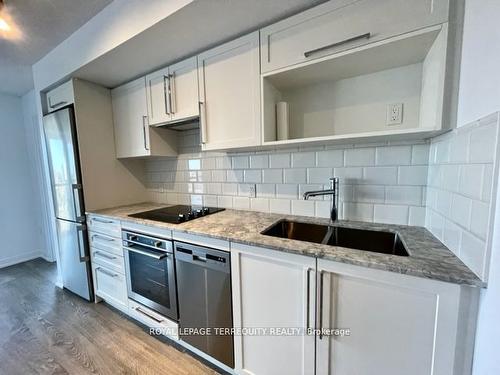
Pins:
x,y
336,44
147,253
105,238
104,255
106,272
150,316
203,122
144,119
171,80
308,298
99,220
79,230
77,202
320,308
62,102
166,92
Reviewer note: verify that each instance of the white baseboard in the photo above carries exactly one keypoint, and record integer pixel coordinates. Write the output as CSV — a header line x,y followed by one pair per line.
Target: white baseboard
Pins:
x,y
10,261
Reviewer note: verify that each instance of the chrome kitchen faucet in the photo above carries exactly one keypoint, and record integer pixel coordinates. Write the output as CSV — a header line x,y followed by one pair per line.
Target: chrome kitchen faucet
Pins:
x,y
333,191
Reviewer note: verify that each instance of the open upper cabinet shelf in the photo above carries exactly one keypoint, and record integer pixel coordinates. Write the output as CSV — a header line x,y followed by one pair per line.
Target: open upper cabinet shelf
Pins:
x,y
350,94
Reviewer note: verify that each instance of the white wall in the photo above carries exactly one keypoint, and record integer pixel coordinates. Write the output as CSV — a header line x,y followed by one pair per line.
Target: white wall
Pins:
x,y
118,22
479,93
479,96
20,227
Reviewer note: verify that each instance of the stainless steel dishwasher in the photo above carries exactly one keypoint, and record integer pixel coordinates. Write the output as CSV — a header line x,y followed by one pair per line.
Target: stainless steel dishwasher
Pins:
x,y
204,294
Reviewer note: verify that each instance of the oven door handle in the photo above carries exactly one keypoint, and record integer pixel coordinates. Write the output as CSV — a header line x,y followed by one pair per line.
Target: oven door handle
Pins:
x,y
147,253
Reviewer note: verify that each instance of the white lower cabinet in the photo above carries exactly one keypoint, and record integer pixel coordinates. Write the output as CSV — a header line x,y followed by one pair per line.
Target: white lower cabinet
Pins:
x,y
366,321
110,285
272,290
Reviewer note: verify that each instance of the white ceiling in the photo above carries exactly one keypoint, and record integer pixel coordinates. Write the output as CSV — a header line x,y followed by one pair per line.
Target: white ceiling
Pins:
x,y
42,24
194,28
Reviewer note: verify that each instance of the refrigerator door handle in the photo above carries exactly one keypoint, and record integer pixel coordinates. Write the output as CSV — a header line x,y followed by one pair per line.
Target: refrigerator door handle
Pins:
x,y
79,233
77,203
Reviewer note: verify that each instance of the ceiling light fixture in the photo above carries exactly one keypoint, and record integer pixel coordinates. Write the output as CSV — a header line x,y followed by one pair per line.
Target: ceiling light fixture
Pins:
x,y
4,26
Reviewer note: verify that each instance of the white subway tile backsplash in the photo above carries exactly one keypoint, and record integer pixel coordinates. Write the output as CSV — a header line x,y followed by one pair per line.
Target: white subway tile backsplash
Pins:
x,y
487,183
322,209
240,162
471,176
273,176
225,201
310,187
359,157
330,158
393,155
413,175
295,176
408,195
459,147
265,190
349,175
287,191
380,175
218,176
417,216
319,175
369,193
279,160
280,206
302,207
482,144
229,189
452,236
259,204
303,159
358,211
390,214
208,163
253,175
450,177
479,222
241,203
420,154
473,252
259,161
234,176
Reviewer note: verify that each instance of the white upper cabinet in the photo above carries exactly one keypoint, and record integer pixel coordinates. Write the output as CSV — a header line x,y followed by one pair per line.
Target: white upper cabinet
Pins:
x,y
184,99
343,24
172,93
158,105
61,96
133,135
229,78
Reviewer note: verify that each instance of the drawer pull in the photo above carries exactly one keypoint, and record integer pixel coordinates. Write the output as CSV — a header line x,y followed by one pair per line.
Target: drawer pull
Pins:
x,y
106,272
98,236
104,255
139,310
104,221
336,44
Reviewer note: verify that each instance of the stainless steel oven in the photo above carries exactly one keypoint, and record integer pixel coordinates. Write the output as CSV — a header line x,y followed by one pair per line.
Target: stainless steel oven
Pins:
x,y
150,272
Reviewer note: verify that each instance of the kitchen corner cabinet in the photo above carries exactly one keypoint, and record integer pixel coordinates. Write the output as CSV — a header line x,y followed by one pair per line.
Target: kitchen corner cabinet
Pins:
x,y
60,96
272,289
392,323
229,79
133,135
172,93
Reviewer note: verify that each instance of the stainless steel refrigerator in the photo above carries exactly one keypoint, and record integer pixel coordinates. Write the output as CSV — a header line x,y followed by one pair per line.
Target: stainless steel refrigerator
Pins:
x,y
67,190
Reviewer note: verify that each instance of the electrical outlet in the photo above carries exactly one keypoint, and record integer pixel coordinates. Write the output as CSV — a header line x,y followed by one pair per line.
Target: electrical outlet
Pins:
x,y
395,114
252,191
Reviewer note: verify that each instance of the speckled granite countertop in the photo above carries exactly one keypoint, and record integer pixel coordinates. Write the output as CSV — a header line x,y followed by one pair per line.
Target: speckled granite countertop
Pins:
x,y
429,258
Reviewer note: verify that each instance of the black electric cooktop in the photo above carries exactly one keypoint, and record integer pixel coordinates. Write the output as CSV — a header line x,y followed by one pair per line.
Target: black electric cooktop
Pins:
x,y
176,214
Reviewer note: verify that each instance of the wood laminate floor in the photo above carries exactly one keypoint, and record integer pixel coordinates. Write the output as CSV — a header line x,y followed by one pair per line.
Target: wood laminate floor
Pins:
x,y
46,330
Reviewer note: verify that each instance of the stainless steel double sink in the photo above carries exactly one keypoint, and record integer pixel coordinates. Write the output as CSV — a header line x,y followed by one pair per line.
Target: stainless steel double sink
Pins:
x,y
359,239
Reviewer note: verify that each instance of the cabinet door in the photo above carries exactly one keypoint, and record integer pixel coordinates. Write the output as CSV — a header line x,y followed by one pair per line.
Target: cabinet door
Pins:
x,y
159,107
398,324
61,96
343,24
230,92
272,290
110,285
184,90
130,119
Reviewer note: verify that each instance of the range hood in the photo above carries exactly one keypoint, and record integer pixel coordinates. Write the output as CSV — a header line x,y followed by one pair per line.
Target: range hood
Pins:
x,y
189,123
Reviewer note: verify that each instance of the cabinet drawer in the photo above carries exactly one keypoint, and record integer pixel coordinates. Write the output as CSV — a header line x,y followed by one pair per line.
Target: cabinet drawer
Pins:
x,y
340,25
153,320
60,96
107,243
109,260
105,225
110,285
